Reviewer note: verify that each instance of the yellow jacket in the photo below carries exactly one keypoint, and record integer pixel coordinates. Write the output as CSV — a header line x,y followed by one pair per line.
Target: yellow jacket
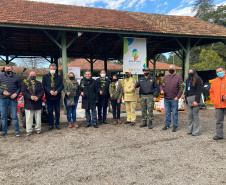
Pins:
x,y
128,85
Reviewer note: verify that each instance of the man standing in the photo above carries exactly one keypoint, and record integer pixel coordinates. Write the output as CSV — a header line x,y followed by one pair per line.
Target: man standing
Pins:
x,y
33,92
149,91
130,98
218,97
53,85
171,88
103,90
89,95
10,86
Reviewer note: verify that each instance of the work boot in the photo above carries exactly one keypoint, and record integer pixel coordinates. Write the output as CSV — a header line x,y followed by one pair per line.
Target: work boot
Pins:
x,y
165,127
174,129
70,125
144,124
217,138
150,125
132,123
127,122
115,122
105,122
119,122
99,121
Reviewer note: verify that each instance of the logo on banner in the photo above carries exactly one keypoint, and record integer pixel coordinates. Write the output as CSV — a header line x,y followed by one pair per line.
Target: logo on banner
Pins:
x,y
135,54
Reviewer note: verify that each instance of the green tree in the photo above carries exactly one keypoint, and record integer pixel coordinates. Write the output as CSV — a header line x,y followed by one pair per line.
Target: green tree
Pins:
x,y
174,59
2,63
162,58
202,7
208,60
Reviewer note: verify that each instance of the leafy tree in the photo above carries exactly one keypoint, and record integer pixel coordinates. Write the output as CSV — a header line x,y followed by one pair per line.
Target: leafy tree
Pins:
x,y
162,58
202,7
174,59
2,63
208,60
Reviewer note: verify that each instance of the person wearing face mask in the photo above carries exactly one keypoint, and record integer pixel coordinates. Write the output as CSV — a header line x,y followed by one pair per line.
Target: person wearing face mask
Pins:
x,y
218,97
71,89
53,85
193,89
33,92
10,87
104,96
115,90
130,98
171,88
149,91
90,97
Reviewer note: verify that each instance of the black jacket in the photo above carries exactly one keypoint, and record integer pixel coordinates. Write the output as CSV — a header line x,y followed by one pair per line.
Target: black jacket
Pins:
x,y
58,86
10,83
103,99
148,86
89,87
194,90
28,92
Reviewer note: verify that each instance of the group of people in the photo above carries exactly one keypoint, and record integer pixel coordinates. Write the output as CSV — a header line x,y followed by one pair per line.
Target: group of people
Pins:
x,y
98,93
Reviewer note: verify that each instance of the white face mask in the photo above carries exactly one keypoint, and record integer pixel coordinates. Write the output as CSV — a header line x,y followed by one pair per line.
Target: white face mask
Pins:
x,y
102,75
52,71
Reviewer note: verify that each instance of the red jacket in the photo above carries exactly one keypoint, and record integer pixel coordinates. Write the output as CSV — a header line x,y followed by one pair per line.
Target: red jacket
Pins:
x,y
217,90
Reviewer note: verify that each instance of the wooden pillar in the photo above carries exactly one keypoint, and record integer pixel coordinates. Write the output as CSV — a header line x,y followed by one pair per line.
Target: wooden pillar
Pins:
x,y
183,65
187,58
91,63
64,53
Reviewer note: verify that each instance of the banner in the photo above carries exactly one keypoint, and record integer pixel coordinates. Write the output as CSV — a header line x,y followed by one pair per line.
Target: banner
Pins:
x,y
134,55
75,70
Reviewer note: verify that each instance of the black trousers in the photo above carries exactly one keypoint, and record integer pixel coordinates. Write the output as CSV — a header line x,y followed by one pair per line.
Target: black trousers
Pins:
x,y
116,106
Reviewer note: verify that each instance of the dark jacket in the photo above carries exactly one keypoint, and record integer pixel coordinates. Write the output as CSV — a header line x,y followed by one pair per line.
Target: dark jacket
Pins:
x,y
171,85
58,86
103,85
148,85
194,90
27,92
12,84
89,87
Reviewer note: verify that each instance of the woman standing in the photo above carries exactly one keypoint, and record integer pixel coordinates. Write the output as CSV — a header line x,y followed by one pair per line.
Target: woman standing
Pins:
x,y
115,90
71,89
193,95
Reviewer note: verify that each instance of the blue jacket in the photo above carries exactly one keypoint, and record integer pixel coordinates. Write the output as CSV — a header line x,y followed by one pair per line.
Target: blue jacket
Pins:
x,y
58,86
11,84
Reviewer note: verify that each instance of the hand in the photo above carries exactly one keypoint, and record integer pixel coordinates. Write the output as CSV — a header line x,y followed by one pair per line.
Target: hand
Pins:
x,y
32,97
183,96
125,92
162,92
36,98
224,97
154,99
118,100
6,93
111,95
13,96
82,93
195,103
68,93
176,98
101,92
52,92
55,93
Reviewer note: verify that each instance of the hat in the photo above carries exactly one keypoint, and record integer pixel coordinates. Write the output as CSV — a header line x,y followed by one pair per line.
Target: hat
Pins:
x,y
146,69
127,71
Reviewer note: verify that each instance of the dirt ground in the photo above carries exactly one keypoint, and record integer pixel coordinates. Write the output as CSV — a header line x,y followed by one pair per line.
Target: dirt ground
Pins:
x,y
120,154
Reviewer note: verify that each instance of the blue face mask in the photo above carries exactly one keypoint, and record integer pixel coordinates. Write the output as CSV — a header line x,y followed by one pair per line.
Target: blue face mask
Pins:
x,y
220,74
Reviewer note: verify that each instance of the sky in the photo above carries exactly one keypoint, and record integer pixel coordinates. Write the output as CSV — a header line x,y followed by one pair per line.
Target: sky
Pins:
x,y
170,7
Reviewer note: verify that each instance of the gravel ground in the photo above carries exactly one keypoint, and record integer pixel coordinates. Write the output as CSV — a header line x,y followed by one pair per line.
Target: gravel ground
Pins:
x,y
120,154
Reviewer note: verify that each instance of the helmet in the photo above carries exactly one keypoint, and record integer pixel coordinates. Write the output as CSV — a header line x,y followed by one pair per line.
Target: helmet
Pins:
x,y
127,71
146,69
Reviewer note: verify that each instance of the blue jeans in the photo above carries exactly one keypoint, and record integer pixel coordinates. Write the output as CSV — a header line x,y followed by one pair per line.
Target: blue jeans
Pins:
x,y
4,104
56,105
71,110
171,104
94,116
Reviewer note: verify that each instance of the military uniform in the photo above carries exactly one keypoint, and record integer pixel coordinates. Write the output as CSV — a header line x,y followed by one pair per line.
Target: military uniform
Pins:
x,y
130,99
149,88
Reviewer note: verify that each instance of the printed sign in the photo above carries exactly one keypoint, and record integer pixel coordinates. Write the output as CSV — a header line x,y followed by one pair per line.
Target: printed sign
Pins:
x,y
75,70
134,55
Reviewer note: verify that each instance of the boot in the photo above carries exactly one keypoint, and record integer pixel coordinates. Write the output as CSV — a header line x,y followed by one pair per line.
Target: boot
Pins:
x,y
144,124
119,122
115,122
70,125
75,125
150,125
